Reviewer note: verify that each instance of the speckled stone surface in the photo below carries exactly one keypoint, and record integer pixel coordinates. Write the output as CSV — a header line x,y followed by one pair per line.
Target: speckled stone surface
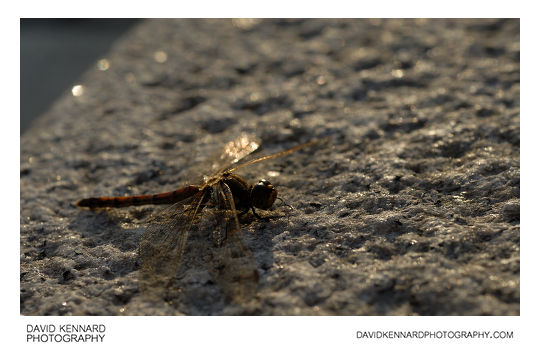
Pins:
x,y
412,207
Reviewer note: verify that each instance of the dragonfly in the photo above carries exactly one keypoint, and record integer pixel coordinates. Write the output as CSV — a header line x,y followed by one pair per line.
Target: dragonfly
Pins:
x,y
214,206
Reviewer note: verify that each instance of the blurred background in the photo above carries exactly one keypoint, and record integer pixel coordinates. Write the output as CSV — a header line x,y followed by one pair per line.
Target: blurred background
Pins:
x,y
55,52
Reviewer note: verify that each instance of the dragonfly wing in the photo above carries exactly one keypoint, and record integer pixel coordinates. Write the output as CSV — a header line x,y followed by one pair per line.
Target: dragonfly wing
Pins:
x,y
218,159
282,153
234,151
163,243
233,265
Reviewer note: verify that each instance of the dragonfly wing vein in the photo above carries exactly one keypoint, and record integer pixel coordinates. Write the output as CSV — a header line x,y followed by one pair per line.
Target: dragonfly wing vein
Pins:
x,y
234,265
163,243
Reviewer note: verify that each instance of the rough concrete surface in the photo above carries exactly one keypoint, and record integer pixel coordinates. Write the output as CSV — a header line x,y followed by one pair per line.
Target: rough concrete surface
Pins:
x,y
410,208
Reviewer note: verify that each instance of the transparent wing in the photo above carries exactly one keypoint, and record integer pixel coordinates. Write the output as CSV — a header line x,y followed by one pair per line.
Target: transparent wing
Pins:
x,y
206,163
282,153
234,151
162,245
233,265
230,261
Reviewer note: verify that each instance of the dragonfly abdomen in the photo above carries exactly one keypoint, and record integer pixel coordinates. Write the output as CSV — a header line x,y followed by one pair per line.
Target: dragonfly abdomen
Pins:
x,y
137,200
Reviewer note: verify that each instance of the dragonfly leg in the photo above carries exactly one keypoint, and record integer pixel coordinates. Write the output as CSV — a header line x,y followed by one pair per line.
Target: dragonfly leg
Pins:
x,y
219,239
285,204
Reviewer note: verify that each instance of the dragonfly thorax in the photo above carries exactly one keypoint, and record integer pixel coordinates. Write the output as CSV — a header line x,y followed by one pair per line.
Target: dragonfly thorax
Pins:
x,y
261,195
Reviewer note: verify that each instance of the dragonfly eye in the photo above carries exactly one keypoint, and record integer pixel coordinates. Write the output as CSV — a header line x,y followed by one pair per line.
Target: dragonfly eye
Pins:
x,y
263,195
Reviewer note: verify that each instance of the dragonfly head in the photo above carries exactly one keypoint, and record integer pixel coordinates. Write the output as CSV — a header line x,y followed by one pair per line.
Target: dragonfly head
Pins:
x,y
263,195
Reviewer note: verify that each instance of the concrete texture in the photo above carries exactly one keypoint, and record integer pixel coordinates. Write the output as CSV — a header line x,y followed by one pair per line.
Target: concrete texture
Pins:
x,y
412,207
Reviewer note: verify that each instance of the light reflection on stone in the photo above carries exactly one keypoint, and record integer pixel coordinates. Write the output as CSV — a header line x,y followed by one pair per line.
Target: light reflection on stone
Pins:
x,y
103,64
77,90
294,123
397,73
245,23
255,96
160,56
